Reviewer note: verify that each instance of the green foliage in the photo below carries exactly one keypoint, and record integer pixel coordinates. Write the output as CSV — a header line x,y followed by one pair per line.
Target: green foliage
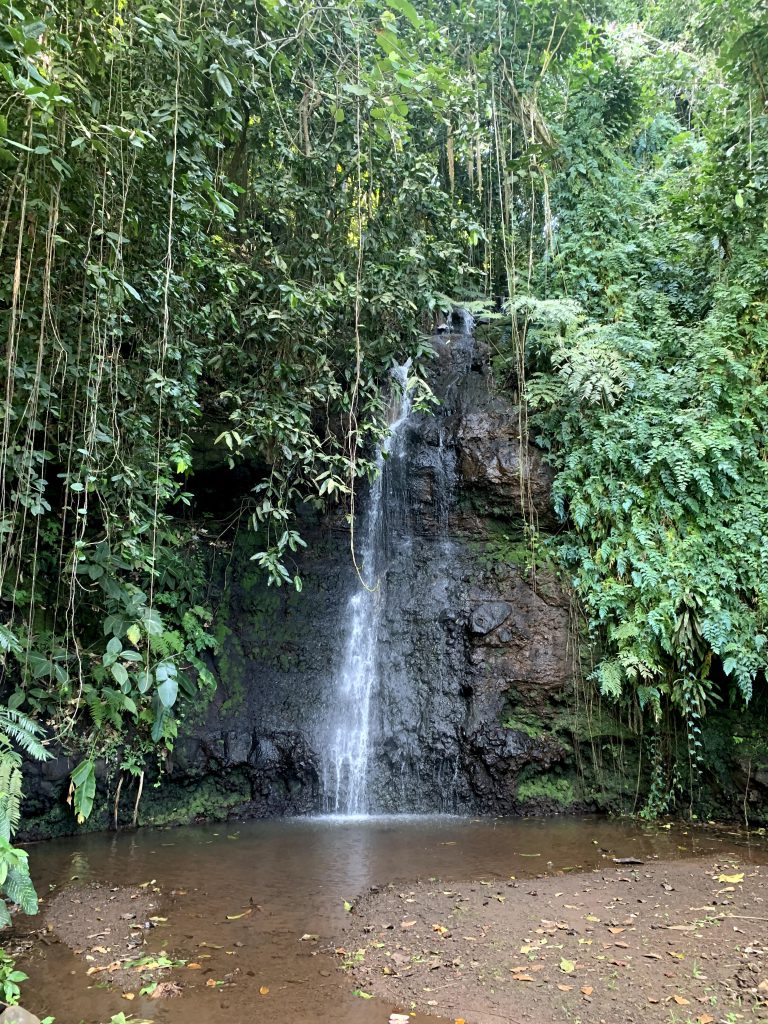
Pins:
x,y
559,791
10,979
652,399
15,883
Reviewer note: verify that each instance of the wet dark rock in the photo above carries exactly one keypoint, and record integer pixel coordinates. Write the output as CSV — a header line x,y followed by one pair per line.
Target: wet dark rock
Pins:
x,y
466,639
461,638
488,616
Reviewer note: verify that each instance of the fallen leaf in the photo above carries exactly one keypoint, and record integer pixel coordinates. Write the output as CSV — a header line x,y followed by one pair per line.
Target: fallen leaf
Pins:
x,y
705,1018
567,966
521,977
615,931
681,1000
363,995
591,917
263,991
407,924
129,995
165,990
236,917
677,956
731,878
194,967
565,988
587,990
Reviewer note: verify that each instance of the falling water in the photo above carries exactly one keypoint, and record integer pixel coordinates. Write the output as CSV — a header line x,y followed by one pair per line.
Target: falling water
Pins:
x,y
346,767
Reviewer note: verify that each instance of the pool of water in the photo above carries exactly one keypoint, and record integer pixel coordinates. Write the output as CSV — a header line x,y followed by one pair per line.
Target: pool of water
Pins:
x,y
300,872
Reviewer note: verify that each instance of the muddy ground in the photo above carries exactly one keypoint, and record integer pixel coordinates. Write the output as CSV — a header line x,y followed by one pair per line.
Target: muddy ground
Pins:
x,y
107,927
678,941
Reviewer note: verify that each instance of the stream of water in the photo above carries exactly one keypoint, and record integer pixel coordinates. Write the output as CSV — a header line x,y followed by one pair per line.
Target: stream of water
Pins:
x,y
299,872
345,764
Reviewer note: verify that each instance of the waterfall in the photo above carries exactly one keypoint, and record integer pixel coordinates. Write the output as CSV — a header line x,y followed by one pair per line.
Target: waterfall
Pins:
x,y
345,766
384,739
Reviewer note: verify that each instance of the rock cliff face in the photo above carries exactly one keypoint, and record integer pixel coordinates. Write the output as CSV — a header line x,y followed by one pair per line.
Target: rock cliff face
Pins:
x,y
469,643
474,655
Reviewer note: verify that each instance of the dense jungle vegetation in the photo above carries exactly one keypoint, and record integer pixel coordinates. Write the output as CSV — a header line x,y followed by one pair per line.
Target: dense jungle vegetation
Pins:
x,y
244,214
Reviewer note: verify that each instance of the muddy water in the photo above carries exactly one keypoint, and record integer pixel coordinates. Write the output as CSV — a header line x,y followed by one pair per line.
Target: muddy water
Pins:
x,y
300,872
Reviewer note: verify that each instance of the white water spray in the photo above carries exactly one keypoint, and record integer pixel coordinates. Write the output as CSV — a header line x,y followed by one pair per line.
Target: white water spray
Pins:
x,y
346,767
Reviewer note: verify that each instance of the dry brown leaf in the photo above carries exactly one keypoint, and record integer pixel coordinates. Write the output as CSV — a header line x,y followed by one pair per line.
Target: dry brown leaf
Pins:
x,y
166,990
194,967
615,931
407,924
263,991
705,1018
565,988
587,990
521,977
681,1000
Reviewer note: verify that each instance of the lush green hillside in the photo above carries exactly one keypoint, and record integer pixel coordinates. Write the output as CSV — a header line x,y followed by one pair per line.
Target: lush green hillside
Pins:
x,y
233,219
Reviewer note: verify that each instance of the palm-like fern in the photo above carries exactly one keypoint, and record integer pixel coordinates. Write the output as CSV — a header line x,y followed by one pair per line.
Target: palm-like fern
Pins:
x,y
15,884
24,732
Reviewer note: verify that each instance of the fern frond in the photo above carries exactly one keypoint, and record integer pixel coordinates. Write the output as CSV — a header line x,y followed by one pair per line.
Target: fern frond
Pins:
x,y
19,889
25,732
10,793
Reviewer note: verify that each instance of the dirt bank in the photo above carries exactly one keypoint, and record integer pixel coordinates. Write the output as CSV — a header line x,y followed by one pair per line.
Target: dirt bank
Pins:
x,y
678,941
106,926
